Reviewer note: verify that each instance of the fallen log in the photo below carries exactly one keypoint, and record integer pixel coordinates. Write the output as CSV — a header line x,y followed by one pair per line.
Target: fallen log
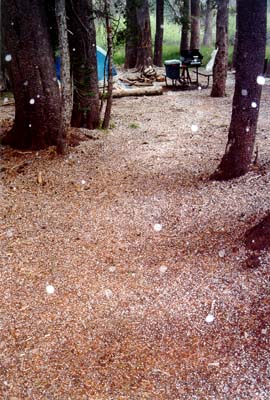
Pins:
x,y
142,91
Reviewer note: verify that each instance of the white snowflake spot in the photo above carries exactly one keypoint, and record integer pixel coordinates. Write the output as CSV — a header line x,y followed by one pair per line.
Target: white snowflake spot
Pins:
x,y
38,96
49,289
161,26
73,49
32,101
199,88
210,318
244,92
9,233
157,227
221,253
12,23
112,268
254,104
8,57
30,125
83,182
5,101
194,128
247,129
163,269
108,293
25,83
260,80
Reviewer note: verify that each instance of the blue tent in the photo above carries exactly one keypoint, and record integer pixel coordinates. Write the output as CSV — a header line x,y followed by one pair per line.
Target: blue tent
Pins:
x,y
101,57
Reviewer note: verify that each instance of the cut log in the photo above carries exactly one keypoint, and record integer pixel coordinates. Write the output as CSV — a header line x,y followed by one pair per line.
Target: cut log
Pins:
x,y
146,91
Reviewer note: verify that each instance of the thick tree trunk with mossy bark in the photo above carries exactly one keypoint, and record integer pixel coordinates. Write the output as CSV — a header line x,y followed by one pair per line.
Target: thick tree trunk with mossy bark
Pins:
x,y
159,33
247,93
84,65
185,12
221,60
195,24
32,73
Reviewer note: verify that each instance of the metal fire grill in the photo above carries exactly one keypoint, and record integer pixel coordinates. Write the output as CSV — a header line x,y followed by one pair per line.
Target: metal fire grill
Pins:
x,y
190,58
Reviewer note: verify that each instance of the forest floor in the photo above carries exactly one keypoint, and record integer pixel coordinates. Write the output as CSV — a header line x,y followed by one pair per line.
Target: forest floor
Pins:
x,y
124,269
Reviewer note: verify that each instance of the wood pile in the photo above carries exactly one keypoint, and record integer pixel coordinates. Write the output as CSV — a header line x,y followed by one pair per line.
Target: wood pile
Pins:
x,y
145,78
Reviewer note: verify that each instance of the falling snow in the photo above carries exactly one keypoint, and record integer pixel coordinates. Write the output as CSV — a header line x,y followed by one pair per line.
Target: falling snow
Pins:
x,y
157,227
49,289
32,101
210,318
8,57
194,128
117,325
261,80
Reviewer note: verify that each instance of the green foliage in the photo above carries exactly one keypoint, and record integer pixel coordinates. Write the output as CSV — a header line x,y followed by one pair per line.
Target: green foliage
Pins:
x,y
134,125
171,40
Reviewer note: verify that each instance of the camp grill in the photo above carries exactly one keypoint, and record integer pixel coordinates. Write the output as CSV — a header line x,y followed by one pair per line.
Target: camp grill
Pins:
x,y
191,58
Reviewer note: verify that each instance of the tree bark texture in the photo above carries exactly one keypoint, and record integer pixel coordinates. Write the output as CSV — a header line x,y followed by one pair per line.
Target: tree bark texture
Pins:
x,y
144,44
131,34
247,93
33,75
195,24
159,33
208,29
84,65
185,20
66,94
221,60
107,114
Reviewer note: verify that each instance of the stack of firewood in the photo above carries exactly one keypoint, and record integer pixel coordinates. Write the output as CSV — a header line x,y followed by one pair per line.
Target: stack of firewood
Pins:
x,y
145,78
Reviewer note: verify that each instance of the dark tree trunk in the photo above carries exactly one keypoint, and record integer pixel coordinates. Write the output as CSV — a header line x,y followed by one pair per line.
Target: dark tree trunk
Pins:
x,y
247,93
195,24
208,29
131,34
159,32
66,95
221,60
144,44
185,20
33,76
107,114
84,65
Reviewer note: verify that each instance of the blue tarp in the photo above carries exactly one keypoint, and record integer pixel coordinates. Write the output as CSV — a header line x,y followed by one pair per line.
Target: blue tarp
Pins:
x,y
101,56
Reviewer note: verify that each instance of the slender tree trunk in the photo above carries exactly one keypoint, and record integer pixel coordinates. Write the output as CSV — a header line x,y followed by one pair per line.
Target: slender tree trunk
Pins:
x,y
247,93
159,32
84,63
107,115
31,69
195,24
185,31
235,45
144,44
66,95
221,60
208,29
131,34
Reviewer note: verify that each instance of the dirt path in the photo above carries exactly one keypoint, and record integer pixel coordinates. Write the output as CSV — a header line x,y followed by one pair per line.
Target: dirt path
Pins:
x,y
145,258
